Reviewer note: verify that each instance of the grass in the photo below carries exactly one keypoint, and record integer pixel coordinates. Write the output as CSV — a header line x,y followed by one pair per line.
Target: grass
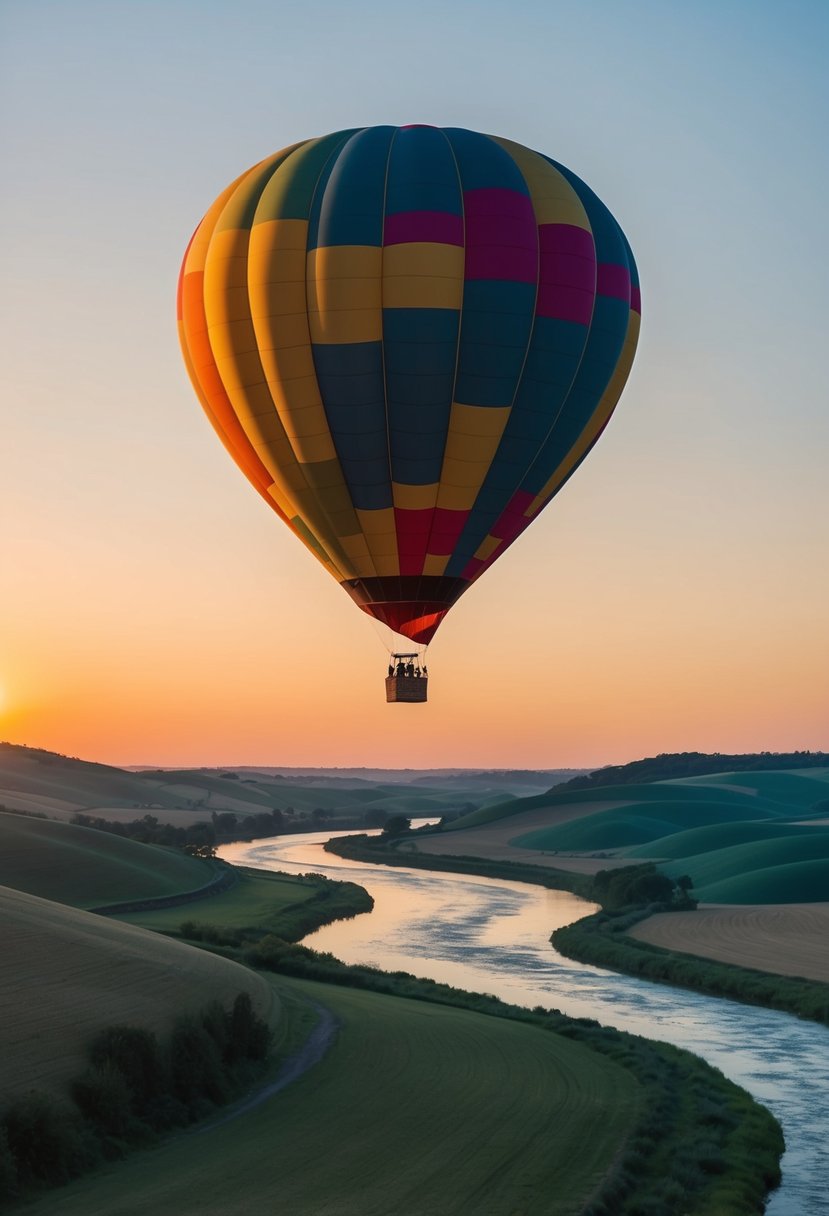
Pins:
x,y
631,825
252,902
790,788
418,1109
66,974
87,869
798,882
257,904
716,836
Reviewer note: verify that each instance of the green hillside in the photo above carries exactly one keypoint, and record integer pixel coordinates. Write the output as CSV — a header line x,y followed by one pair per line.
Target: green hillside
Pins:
x,y
631,825
417,1108
794,789
726,864
87,869
715,836
801,882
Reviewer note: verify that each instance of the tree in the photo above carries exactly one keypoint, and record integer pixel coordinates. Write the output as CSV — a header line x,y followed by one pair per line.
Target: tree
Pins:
x,y
396,825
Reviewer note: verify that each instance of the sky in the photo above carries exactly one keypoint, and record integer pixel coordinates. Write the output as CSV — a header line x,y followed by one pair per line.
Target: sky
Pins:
x,y
673,597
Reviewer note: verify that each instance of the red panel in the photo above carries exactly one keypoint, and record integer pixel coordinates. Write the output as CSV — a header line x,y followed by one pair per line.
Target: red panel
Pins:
x,y
416,621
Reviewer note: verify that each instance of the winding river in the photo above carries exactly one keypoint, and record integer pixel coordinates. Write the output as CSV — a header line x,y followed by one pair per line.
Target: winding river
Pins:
x,y
491,935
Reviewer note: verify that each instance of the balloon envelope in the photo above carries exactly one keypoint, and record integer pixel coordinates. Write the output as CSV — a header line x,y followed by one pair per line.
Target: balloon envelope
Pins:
x,y
408,338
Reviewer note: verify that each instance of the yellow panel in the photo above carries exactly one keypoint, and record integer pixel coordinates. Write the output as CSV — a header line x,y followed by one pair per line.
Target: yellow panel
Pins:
x,y
276,284
478,419
487,547
414,498
344,291
277,300
423,275
336,327
295,399
424,258
345,262
375,523
554,199
274,235
462,473
435,565
471,443
422,292
355,546
334,295
381,536
314,449
457,498
280,332
470,448
234,345
605,408
197,253
239,374
294,362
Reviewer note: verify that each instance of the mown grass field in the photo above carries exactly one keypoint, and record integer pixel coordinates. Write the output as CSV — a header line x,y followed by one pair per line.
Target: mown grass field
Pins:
x,y
417,1109
66,974
255,902
88,869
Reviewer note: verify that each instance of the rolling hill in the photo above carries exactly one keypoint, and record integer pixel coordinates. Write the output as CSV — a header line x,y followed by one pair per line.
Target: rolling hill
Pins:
x,y
88,869
66,974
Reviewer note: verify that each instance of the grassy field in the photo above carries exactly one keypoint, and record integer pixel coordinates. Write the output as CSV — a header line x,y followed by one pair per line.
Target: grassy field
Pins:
x,y
418,1109
87,869
257,901
65,974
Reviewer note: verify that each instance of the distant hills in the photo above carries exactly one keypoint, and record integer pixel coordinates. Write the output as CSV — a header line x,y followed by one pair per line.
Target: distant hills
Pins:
x,y
669,766
40,782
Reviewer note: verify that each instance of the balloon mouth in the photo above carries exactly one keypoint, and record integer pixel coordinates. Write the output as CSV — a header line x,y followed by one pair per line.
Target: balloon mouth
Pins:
x,y
412,605
417,622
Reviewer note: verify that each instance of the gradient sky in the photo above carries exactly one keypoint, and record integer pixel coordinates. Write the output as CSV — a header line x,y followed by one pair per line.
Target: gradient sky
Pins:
x,y
674,596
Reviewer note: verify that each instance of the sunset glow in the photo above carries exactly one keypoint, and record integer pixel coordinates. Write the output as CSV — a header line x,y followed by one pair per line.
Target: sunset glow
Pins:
x,y
673,597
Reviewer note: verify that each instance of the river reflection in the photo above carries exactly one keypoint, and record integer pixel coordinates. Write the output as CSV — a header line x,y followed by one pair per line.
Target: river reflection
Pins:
x,y
490,935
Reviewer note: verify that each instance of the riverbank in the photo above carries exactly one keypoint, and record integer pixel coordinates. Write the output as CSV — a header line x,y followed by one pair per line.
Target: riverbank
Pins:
x,y
602,939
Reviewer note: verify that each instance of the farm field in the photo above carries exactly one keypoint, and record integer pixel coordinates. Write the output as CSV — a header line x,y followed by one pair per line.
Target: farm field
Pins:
x,y
66,974
88,869
784,939
417,1108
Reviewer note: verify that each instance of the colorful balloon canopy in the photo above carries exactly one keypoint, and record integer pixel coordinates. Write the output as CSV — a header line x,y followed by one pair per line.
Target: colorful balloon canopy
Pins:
x,y
408,338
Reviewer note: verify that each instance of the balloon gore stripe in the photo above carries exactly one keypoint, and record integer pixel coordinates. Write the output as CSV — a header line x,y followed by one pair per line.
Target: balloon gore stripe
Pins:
x,y
408,339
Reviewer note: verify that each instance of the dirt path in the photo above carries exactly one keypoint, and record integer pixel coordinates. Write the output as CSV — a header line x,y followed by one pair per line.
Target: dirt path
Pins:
x,y
785,939
291,1069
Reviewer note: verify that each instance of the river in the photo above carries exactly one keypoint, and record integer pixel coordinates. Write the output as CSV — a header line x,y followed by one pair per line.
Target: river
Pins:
x,y
491,935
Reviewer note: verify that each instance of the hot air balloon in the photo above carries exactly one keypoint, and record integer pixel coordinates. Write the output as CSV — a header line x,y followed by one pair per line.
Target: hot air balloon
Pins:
x,y
408,338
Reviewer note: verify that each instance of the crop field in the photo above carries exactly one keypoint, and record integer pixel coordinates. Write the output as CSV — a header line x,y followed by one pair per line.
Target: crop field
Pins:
x,y
253,902
88,869
783,940
66,974
417,1108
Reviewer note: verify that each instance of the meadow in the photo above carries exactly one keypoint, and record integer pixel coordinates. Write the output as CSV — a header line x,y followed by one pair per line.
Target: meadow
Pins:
x,y
66,974
417,1109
